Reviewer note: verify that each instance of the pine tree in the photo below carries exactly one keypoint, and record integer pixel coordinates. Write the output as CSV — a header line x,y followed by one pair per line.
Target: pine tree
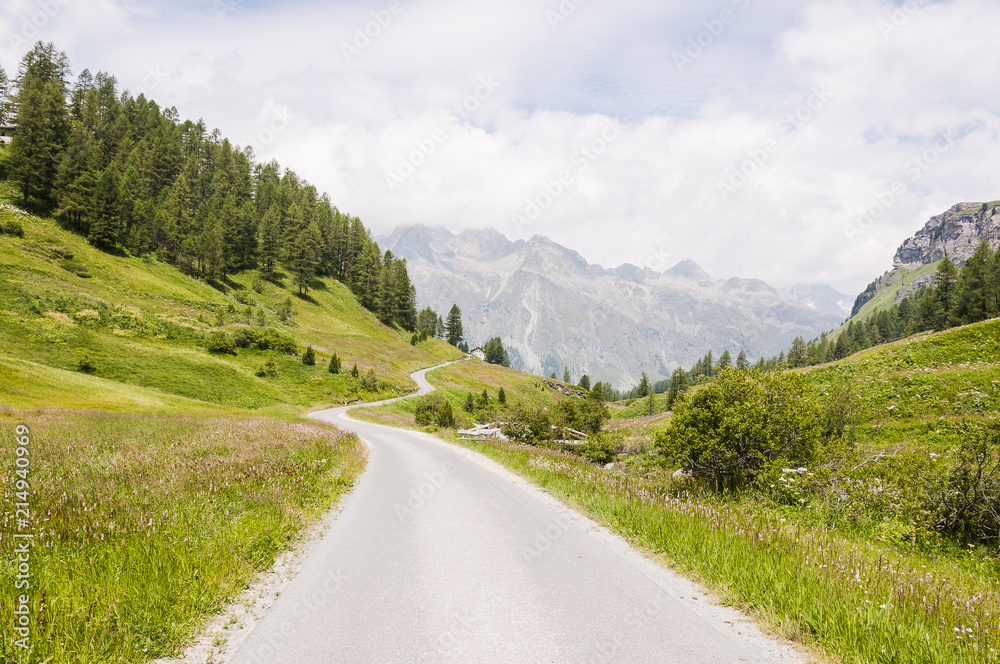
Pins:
x,y
597,393
971,302
643,390
742,363
268,242
4,97
42,121
725,360
334,367
453,326
585,382
354,371
502,396
679,382
566,377
941,311
107,225
309,357
470,403
304,257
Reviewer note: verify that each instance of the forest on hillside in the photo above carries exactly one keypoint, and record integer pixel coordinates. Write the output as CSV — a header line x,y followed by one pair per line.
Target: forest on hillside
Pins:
x,y
133,178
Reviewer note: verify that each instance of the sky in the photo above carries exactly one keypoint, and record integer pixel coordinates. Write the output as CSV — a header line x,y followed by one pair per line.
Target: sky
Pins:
x,y
791,141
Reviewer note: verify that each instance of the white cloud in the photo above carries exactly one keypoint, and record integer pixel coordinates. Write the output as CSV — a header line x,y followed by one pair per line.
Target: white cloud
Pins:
x,y
893,77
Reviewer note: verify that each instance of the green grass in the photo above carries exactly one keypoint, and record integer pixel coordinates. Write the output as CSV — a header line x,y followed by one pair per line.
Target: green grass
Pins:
x,y
145,525
887,297
143,322
854,602
916,392
455,381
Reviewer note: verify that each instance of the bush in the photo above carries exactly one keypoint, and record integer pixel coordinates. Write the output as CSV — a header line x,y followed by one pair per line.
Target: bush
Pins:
x,y
334,366
268,370
263,338
86,365
219,342
309,357
969,506
434,409
743,425
12,227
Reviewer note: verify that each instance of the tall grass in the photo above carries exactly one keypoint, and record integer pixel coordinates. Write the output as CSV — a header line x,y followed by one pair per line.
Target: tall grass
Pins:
x,y
146,525
857,602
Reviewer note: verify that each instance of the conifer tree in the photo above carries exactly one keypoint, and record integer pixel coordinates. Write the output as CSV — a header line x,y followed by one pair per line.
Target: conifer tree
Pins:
x,y
334,367
502,396
42,122
643,390
725,360
4,96
742,363
585,382
566,377
107,224
268,242
453,327
309,357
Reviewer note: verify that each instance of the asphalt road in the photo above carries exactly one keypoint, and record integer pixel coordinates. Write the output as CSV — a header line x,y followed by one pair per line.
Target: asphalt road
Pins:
x,y
440,555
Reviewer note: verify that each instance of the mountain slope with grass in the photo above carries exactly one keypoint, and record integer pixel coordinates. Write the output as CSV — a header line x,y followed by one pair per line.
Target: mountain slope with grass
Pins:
x,y
71,307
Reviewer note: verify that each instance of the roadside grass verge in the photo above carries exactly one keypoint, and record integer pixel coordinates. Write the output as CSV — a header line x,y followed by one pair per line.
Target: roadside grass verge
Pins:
x,y
146,525
856,602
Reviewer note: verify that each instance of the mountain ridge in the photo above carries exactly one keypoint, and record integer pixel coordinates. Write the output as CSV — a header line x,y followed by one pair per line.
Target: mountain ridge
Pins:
x,y
555,309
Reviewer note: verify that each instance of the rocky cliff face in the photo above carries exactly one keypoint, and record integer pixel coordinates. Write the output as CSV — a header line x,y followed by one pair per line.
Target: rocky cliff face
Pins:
x,y
552,308
956,234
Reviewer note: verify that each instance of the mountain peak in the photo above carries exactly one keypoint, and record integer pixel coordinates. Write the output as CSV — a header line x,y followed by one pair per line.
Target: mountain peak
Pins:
x,y
688,269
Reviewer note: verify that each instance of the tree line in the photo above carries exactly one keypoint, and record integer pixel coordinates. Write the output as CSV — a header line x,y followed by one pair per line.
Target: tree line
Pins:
x,y
957,296
131,177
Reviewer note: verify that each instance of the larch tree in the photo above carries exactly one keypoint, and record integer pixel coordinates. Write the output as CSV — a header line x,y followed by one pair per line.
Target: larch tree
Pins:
x,y
453,326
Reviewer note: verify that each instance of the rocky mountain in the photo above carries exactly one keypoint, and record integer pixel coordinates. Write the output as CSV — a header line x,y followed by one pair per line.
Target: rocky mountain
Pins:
x,y
821,298
955,233
554,309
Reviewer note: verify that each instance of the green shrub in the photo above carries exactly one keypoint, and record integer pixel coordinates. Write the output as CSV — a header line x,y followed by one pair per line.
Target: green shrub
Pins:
x,y
434,409
334,367
86,365
263,338
969,505
268,370
219,342
309,357
12,227
741,426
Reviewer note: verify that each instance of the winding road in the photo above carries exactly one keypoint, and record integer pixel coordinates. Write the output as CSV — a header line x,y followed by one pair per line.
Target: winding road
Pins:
x,y
441,555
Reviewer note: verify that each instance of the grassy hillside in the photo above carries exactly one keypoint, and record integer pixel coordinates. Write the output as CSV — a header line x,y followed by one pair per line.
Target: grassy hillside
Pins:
x,y
153,476
144,323
917,392
455,381
887,297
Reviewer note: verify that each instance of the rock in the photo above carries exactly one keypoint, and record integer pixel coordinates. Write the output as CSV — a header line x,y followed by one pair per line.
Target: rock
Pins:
x,y
682,474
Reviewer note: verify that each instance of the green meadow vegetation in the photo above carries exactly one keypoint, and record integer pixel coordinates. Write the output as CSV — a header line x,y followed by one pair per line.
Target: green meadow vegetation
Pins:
x,y
156,427
148,523
870,535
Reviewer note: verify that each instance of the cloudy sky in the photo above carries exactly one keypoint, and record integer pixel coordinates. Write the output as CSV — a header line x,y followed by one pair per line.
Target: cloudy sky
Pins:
x,y
793,141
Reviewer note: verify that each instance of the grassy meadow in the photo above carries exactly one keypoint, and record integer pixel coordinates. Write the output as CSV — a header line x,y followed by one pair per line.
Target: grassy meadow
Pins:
x,y
147,524
846,559
164,477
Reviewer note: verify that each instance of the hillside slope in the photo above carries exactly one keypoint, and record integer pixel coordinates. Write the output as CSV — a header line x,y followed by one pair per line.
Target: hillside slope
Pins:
x,y
144,323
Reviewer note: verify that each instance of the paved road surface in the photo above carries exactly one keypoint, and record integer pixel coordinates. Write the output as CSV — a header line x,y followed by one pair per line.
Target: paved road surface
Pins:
x,y
441,556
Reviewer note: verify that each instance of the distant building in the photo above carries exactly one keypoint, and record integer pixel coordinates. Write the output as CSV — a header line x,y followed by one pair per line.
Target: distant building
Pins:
x,y
479,353
6,134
